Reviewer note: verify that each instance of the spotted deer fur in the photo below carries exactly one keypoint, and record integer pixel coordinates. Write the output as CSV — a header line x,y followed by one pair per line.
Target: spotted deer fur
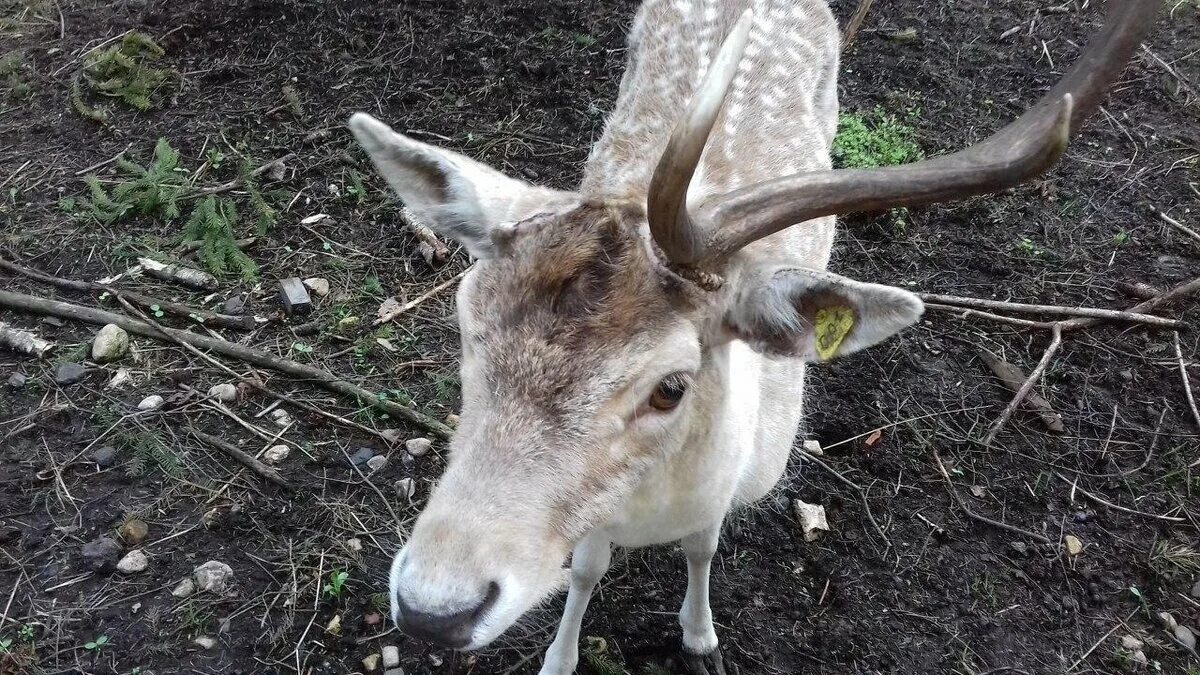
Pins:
x,y
571,321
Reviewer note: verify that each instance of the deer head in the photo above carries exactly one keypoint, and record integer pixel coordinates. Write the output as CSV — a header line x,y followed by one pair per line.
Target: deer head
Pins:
x,y
592,327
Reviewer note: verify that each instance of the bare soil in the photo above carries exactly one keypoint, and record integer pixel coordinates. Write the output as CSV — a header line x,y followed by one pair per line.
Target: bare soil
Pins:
x,y
525,86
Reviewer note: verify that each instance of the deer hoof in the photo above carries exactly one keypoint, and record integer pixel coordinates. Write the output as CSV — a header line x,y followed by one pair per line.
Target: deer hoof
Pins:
x,y
711,663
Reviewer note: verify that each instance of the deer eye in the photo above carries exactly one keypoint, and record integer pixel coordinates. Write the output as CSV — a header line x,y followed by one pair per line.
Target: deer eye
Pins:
x,y
669,392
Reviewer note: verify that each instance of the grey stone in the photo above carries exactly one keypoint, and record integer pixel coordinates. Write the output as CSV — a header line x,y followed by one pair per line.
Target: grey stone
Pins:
x,y
101,554
16,381
69,373
105,457
225,393
294,296
394,671
151,402
318,285
418,446
362,456
1185,637
391,656
204,642
235,306
406,488
1196,590
53,321
184,588
213,576
377,462
110,344
134,561
276,454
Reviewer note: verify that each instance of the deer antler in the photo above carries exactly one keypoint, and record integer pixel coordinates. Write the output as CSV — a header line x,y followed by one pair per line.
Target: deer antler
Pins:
x,y
1025,148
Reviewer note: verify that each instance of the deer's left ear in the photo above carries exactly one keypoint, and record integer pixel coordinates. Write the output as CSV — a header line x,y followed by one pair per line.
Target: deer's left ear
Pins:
x,y
815,315
450,192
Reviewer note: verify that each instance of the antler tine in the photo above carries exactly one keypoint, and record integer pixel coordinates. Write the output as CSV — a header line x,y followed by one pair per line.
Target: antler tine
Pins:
x,y
666,202
1022,150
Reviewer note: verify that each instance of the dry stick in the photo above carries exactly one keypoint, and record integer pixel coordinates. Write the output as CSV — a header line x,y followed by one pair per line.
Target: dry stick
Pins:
x,y
964,312
983,519
1055,310
227,186
856,20
1055,343
862,495
1176,224
242,456
1179,291
427,295
1099,500
36,305
199,315
1099,642
105,162
1187,384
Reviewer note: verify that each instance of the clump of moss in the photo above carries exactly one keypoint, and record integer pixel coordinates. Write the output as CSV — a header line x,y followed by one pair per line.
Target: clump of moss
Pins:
x,y
873,140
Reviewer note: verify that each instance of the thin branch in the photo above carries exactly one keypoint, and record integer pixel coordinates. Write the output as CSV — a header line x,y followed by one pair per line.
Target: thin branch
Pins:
x,y
855,23
29,303
1187,384
1054,310
965,312
1055,343
243,457
391,316
983,519
862,495
1176,224
230,185
1182,290
1075,487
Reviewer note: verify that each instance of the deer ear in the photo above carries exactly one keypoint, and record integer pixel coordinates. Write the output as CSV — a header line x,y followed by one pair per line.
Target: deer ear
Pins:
x,y
815,315
451,193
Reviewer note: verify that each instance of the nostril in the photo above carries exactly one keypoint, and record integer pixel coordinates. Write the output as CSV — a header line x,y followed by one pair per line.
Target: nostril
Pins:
x,y
452,629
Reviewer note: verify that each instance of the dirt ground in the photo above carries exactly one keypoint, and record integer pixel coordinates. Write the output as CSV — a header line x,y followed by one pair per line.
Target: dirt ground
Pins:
x,y
525,86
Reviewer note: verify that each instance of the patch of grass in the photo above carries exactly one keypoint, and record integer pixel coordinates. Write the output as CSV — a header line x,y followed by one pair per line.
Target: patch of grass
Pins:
x,y
337,582
1169,559
146,449
872,140
15,85
123,72
212,223
147,190
984,590
1029,248
372,286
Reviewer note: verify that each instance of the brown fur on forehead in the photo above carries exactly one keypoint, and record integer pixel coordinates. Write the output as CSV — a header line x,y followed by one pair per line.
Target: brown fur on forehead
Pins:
x,y
573,290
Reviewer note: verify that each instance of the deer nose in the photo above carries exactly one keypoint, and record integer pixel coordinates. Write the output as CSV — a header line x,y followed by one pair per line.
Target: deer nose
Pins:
x,y
452,629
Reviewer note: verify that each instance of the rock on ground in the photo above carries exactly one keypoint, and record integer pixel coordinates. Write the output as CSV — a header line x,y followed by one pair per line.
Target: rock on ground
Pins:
x,y
225,393
151,402
134,531
418,446
16,381
276,454
105,457
110,344
213,576
134,561
391,656
184,588
377,462
204,642
101,554
69,373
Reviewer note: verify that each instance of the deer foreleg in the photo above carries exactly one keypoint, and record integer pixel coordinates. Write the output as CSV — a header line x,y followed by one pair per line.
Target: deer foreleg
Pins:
x,y
695,616
588,564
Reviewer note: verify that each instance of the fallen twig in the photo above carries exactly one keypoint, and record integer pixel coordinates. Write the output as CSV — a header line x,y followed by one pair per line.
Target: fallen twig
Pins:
x,y
964,312
855,23
23,341
195,314
1187,384
243,457
391,316
1053,310
975,516
1014,379
1025,388
1099,500
1188,288
862,495
29,303
229,185
1176,224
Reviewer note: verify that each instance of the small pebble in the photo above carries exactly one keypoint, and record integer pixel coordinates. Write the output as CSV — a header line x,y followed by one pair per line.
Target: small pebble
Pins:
x,y
1167,621
53,321
133,531
134,561
1131,643
1196,590
16,381
69,373
318,286
361,456
394,671
1019,547
1139,657
204,642
812,519
1185,637
151,402
213,576
334,627
391,656
225,393
377,462
281,417
373,619
406,488
110,344
1074,545
452,420
276,454
354,545
813,448
101,554
1082,516
235,306
184,588
105,457
417,447
392,436
371,663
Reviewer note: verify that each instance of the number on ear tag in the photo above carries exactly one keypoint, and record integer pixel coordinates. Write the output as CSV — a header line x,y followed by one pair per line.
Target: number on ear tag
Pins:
x,y
833,325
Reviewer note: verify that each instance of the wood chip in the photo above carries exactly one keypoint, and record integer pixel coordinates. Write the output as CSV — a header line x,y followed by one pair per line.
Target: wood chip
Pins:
x,y
1013,378
179,274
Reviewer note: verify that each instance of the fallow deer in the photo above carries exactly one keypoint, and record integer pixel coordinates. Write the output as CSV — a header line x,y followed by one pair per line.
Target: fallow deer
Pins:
x,y
634,351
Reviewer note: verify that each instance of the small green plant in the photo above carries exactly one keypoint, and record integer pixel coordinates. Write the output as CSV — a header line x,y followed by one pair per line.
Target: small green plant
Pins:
x,y
6,645
873,140
212,223
122,71
96,644
302,350
15,85
68,205
337,581
27,632
1030,248
148,190
1121,238
157,311
215,157
265,214
356,192
372,286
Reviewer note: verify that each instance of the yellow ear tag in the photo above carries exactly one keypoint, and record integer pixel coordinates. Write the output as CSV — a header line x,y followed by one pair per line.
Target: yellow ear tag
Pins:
x,y
833,325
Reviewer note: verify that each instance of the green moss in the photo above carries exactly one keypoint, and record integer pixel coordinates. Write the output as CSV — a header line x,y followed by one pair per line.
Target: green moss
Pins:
x,y
873,140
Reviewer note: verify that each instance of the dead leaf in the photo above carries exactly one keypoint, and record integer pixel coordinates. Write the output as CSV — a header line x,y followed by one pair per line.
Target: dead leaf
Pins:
x,y
386,344
1013,378
387,310
979,491
873,438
